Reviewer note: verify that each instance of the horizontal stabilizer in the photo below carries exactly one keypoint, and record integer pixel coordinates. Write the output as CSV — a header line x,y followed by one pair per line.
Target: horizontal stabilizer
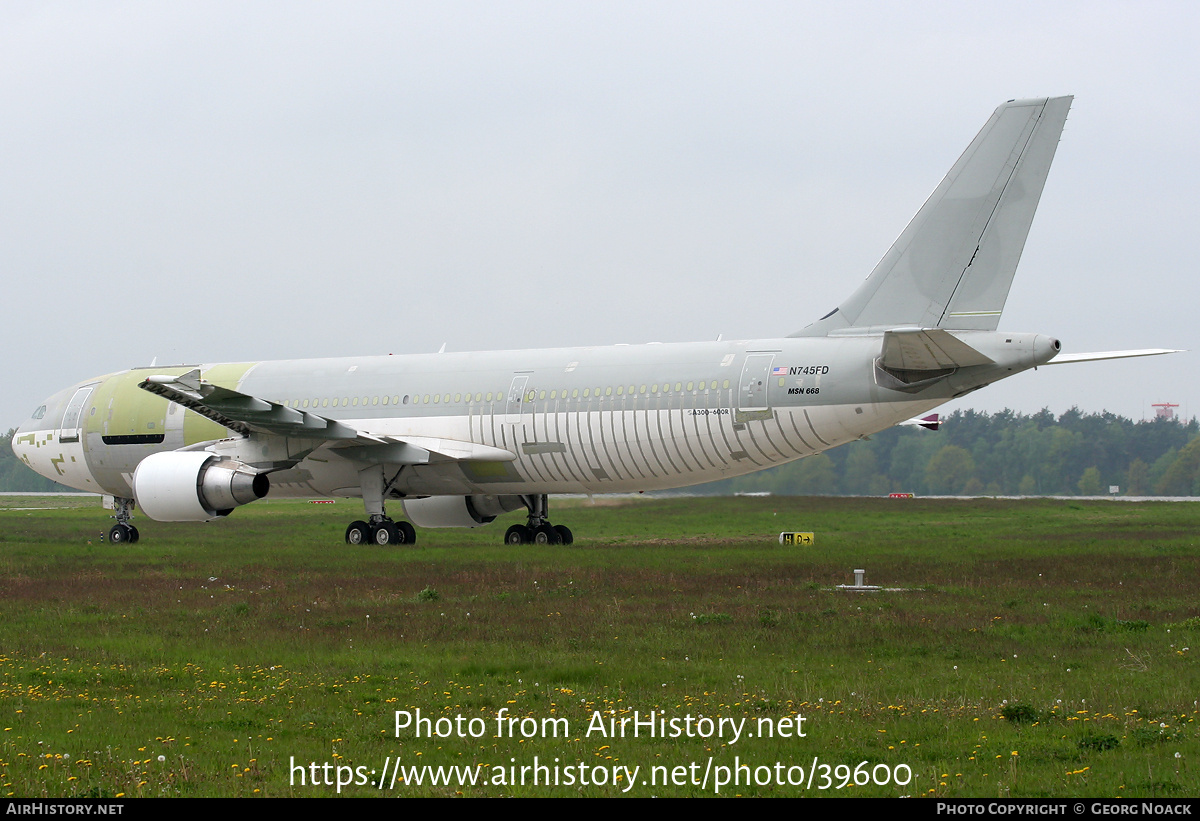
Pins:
x,y
930,422
933,349
1095,356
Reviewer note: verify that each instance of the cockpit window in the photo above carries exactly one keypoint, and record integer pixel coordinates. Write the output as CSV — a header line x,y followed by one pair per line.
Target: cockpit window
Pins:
x,y
40,412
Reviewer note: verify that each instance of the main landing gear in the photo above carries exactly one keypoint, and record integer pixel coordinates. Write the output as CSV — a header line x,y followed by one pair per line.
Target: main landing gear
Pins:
x,y
538,530
379,528
381,531
123,532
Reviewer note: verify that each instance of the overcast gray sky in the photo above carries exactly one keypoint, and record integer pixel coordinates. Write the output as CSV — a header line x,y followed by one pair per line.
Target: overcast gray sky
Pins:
x,y
205,182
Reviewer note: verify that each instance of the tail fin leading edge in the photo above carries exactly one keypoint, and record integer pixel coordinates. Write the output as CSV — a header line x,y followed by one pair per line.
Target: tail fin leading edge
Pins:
x,y
953,265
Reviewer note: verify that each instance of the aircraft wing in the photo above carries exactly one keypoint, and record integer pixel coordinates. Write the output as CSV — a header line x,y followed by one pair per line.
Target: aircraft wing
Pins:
x,y
244,413
249,414
1068,358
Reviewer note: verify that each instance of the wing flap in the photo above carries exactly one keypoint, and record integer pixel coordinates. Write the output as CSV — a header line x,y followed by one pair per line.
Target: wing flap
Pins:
x,y
423,450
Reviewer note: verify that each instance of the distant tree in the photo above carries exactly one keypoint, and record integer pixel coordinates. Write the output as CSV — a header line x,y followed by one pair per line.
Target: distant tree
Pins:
x,y
1180,477
815,477
862,468
1136,478
1089,483
949,470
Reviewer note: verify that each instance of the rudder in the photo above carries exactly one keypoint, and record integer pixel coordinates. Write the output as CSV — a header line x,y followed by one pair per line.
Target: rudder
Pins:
x,y
953,265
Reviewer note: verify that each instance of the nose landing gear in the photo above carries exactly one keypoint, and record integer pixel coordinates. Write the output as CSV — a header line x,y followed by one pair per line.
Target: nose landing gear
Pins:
x,y
123,532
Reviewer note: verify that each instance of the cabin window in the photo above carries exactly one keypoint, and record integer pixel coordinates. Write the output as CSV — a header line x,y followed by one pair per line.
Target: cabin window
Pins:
x,y
458,397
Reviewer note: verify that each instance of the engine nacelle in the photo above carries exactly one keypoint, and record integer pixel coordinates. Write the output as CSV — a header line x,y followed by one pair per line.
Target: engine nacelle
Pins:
x,y
458,511
194,486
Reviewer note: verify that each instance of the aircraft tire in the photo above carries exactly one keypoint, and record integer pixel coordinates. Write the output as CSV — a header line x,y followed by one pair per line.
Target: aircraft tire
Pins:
x,y
385,534
518,534
133,534
565,536
545,534
120,534
408,533
358,533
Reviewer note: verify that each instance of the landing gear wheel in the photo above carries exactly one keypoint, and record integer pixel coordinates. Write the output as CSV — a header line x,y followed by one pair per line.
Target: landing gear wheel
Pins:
x,y
385,533
358,533
564,534
408,533
133,534
518,534
122,534
545,534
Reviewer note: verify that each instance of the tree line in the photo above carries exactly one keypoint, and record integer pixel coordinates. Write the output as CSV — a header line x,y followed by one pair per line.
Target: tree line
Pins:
x,y
1000,454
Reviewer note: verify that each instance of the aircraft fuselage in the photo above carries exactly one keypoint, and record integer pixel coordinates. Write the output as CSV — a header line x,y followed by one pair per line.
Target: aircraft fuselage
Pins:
x,y
577,420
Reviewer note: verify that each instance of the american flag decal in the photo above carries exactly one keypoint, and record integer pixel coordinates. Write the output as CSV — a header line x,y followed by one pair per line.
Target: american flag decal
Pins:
x,y
779,371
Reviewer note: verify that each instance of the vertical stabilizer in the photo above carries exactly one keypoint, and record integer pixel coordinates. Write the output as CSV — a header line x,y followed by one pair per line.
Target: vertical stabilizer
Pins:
x,y
953,265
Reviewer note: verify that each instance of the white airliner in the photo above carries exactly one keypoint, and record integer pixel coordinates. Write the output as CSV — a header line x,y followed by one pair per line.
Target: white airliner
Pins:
x,y
459,439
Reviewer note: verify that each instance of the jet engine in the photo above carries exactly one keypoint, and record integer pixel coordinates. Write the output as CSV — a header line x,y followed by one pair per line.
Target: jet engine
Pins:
x,y
194,486
458,511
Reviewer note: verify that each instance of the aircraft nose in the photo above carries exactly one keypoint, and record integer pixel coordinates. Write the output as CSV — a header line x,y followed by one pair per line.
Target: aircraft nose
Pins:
x,y
22,440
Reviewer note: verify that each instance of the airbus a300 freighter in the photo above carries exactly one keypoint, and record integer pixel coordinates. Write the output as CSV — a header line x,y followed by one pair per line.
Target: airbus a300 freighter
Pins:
x,y
459,439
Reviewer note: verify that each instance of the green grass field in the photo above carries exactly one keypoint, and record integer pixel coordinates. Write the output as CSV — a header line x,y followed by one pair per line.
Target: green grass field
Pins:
x,y
1036,648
